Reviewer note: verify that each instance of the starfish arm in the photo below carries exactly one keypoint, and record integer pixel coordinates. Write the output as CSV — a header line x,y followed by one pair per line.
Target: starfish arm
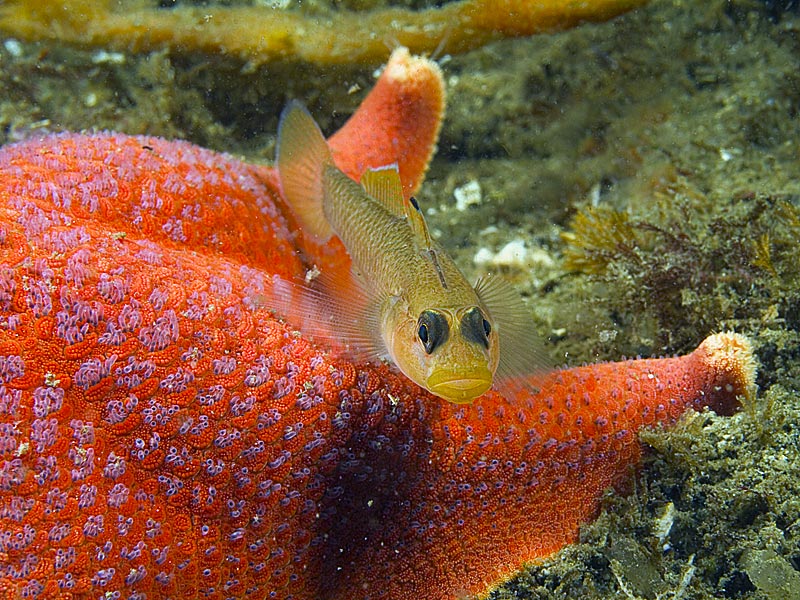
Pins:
x,y
398,122
509,481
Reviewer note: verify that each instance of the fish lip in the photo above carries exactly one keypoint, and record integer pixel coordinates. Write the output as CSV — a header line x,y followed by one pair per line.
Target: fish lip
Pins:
x,y
460,387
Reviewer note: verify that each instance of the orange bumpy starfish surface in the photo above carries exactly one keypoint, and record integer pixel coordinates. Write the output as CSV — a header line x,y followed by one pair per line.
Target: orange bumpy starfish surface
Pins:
x,y
164,435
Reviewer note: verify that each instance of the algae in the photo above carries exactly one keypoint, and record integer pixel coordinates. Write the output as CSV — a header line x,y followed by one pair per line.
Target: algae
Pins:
x,y
278,31
773,575
675,128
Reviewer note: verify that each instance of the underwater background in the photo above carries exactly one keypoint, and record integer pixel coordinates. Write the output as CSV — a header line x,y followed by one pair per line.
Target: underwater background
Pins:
x,y
638,180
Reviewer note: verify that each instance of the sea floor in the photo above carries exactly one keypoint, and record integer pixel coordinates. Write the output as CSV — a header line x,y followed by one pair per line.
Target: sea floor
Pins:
x,y
639,180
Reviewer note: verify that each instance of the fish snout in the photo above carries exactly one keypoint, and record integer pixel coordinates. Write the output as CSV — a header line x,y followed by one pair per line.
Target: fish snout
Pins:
x,y
460,387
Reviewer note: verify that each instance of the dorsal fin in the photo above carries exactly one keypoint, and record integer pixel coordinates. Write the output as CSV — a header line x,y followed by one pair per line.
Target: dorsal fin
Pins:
x,y
417,223
383,185
302,157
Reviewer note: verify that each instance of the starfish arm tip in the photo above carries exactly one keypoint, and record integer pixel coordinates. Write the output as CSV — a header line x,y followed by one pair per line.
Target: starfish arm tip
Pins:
x,y
730,355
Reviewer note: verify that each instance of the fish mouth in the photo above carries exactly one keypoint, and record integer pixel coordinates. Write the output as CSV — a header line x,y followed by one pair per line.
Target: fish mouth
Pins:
x,y
460,388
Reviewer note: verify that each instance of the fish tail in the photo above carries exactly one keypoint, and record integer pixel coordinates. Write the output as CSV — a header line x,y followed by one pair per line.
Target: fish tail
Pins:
x,y
302,156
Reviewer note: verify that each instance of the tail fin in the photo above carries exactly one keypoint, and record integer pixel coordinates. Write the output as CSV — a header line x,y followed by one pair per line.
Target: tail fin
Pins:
x,y
302,157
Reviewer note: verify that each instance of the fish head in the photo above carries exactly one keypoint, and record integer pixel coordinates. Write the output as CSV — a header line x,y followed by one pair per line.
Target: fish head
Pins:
x,y
451,352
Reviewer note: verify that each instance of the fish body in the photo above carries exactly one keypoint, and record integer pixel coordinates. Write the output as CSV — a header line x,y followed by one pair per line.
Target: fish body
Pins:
x,y
407,300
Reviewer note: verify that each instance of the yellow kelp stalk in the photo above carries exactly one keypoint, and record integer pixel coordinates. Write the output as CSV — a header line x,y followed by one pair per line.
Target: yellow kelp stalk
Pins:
x,y
260,34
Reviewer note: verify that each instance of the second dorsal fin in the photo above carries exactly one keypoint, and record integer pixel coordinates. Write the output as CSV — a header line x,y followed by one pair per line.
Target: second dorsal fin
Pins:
x,y
417,223
383,184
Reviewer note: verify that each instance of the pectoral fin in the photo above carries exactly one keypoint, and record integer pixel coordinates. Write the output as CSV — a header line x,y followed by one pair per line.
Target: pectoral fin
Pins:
x,y
333,312
520,346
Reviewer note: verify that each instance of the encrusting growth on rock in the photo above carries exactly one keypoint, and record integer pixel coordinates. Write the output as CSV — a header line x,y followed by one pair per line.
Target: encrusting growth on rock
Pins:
x,y
261,34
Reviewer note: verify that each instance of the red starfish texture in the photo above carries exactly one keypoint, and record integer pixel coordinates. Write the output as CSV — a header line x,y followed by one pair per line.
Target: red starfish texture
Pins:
x,y
164,435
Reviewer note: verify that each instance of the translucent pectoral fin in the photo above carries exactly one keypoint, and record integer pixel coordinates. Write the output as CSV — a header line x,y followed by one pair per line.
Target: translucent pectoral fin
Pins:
x,y
332,312
521,350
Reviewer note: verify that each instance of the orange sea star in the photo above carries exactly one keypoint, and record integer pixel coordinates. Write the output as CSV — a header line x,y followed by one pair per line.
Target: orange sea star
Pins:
x,y
163,435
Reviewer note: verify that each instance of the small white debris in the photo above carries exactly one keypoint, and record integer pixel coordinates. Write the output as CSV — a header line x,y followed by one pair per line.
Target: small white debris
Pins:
x,y
688,575
607,335
312,274
90,100
725,154
22,449
13,47
515,255
483,257
594,195
275,4
663,524
103,57
468,195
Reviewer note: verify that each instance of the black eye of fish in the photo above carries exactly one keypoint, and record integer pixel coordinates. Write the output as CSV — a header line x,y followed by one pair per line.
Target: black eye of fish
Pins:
x,y
475,327
432,329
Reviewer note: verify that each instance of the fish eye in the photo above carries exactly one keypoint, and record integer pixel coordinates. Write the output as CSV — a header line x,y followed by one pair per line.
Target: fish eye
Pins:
x,y
475,327
432,329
